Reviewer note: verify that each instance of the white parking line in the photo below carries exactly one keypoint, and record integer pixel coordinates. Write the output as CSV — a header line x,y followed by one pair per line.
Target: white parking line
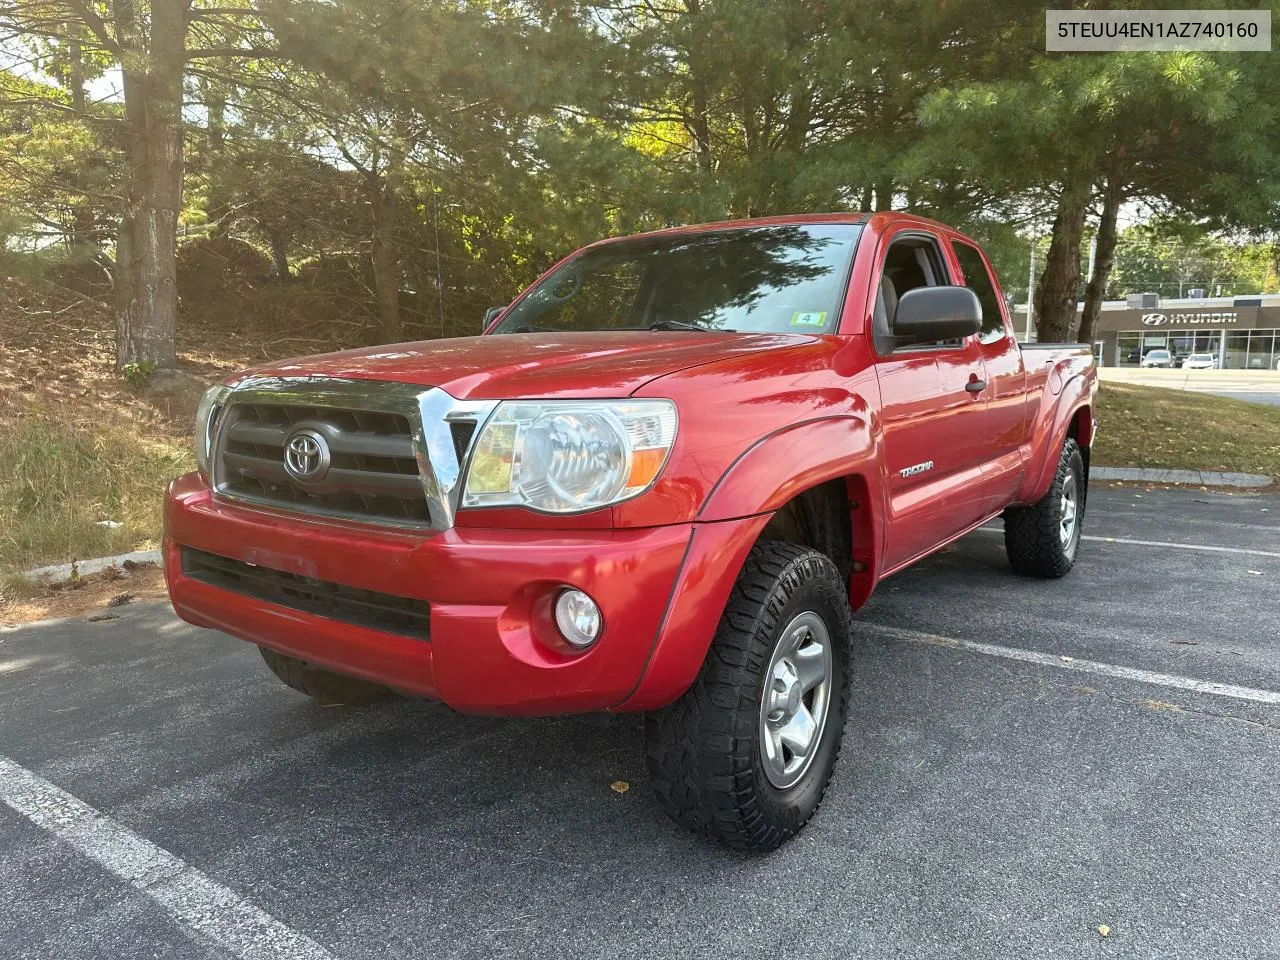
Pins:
x,y
1186,546
1163,543
202,906
1080,666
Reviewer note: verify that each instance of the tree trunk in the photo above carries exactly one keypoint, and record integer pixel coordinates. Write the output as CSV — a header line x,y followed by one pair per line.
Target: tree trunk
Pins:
x,y
146,283
699,123
884,194
1103,258
1059,284
280,256
386,261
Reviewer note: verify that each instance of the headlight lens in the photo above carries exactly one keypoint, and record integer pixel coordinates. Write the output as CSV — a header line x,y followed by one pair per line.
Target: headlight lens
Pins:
x,y
207,413
566,456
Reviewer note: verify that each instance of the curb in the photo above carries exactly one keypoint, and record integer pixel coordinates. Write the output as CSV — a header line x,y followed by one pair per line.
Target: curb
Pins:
x,y
59,572
1200,478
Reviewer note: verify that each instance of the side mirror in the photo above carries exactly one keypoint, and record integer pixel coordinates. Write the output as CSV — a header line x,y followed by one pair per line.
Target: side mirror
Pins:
x,y
490,315
930,314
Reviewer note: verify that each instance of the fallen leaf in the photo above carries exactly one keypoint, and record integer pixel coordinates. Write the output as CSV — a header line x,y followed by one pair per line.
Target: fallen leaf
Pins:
x,y
1104,930
1255,573
1066,659
619,786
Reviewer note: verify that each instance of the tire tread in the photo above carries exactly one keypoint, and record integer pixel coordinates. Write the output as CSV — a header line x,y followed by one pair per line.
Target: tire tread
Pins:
x,y
700,749
1031,537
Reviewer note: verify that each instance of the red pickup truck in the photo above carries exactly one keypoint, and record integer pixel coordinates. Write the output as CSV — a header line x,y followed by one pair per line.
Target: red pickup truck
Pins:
x,y
660,481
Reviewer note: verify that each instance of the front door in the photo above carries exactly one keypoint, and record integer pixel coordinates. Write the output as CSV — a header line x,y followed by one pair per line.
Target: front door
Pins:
x,y
932,414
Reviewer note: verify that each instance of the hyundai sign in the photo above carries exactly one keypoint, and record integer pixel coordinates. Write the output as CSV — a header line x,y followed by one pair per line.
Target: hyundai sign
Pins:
x,y
1190,318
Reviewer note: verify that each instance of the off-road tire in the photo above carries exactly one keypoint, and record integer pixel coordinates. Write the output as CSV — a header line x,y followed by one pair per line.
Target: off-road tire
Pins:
x,y
323,685
704,752
1032,535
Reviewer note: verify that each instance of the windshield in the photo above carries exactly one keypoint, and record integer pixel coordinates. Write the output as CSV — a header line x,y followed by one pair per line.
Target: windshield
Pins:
x,y
1199,356
1158,354
781,279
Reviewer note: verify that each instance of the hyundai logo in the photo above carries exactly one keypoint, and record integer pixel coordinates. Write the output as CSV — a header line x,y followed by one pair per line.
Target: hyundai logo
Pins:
x,y
306,456
1154,319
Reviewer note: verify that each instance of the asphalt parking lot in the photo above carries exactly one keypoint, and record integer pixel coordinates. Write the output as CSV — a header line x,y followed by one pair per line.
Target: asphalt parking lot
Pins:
x,y
1024,763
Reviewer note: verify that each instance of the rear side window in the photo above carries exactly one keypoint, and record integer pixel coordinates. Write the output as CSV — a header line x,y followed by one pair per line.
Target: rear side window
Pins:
x,y
977,279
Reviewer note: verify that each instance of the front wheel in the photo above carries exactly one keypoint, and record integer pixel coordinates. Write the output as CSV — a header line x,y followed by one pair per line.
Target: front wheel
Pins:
x,y
1042,540
745,756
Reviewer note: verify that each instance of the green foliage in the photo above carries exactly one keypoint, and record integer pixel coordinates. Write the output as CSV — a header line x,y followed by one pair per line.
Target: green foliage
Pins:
x,y
135,374
429,159
1172,257
63,167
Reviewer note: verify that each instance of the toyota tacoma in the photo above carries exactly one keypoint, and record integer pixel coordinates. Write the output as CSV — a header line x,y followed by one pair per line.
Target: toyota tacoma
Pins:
x,y
661,480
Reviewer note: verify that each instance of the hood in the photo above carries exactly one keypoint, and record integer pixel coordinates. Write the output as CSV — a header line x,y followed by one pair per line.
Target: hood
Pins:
x,y
536,365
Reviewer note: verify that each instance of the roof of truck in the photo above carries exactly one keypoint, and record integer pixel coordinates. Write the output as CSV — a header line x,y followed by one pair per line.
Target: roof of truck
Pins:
x,y
878,221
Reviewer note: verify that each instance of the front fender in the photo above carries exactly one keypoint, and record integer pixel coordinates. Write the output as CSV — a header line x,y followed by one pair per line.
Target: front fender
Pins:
x,y
1052,426
767,475
790,461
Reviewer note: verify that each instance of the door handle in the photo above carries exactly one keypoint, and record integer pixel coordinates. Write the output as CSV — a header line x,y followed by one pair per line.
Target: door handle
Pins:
x,y
976,386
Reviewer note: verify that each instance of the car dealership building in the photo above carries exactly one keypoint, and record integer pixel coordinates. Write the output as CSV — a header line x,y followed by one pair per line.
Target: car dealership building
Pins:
x,y
1242,333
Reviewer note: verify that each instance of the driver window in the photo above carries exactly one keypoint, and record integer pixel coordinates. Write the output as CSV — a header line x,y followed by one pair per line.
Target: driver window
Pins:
x,y
910,263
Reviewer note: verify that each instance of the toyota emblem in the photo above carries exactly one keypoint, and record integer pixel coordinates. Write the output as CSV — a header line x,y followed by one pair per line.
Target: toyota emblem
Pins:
x,y
306,456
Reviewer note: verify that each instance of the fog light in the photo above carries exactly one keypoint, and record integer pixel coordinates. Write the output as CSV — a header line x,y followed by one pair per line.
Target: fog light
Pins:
x,y
578,618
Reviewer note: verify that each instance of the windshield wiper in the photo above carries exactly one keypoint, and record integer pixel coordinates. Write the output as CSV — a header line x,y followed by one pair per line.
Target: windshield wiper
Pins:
x,y
681,325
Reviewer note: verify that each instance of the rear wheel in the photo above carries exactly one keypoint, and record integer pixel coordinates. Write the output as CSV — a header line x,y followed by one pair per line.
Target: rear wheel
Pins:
x,y
323,685
745,756
1042,540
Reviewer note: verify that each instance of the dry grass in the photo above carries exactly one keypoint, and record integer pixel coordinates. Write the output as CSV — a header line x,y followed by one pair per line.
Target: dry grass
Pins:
x,y
78,445
1154,427
67,480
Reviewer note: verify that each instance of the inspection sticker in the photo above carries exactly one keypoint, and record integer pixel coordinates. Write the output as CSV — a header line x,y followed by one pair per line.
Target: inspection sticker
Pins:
x,y
814,318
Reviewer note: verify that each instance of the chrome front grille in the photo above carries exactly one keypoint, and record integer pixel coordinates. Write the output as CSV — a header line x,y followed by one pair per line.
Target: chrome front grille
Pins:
x,y
392,453
372,469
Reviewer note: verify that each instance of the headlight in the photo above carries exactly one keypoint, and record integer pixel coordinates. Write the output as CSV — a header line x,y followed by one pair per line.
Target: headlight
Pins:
x,y
566,456
206,419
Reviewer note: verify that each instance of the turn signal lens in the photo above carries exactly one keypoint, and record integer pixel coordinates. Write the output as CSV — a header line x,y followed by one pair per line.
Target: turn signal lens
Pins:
x,y
645,465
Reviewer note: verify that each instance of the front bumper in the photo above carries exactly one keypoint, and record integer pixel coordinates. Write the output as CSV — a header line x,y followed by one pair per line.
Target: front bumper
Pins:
x,y
491,646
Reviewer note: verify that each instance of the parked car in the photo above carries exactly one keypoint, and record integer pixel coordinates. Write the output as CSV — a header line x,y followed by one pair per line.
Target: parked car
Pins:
x,y
661,481
1200,361
1157,358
